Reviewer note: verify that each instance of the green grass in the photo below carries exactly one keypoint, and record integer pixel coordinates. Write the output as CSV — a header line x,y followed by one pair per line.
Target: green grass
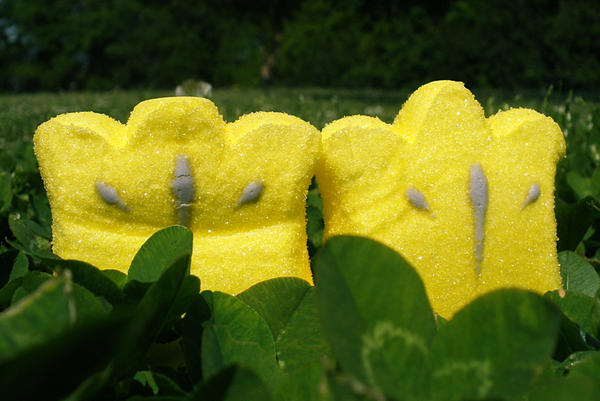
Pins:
x,y
20,114
154,352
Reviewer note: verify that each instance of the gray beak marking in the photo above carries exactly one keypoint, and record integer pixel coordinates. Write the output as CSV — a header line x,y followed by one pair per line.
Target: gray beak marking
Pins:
x,y
183,189
478,191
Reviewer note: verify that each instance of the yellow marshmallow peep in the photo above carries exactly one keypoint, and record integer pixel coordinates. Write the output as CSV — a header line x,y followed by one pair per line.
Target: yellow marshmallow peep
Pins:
x,y
240,187
468,201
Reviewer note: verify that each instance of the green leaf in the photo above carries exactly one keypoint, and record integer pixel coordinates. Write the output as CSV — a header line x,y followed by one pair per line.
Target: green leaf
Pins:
x,y
596,183
151,315
25,230
166,355
91,278
159,252
87,306
567,389
573,360
43,214
116,276
440,322
580,308
41,316
581,382
134,291
190,289
30,283
289,307
20,267
8,291
159,398
7,258
32,238
494,348
582,186
33,320
234,383
376,315
168,386
303,384
314,226
573,221
570,339
313,199
55,367
197,315
588,366
314,219
276,300
577,274
5,192
145,378
344,386
236,334
302,342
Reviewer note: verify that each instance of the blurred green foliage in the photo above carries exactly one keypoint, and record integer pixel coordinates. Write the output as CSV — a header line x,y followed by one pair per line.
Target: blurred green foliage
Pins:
x,y
106,44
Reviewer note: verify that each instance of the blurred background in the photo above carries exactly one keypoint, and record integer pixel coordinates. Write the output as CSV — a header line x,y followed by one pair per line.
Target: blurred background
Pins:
x,y
49,45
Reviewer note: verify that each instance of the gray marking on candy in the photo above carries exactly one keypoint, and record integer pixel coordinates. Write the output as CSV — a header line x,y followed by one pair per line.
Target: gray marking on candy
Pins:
x,y
251,193
183,189
478,191
416,198
110,196
532,195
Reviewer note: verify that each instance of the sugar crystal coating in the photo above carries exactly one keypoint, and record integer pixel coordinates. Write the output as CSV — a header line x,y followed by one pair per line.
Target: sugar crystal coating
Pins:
x,y
475,173
177,162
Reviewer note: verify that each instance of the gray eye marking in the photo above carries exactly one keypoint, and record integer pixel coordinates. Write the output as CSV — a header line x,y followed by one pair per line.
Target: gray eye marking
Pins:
x,y
110,196
183,189
532,195
251,193
478,191
417,199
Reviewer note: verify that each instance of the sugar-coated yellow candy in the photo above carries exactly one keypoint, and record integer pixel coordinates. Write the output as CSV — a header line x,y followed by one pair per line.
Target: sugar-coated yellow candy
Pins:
x,y
468,201
240,187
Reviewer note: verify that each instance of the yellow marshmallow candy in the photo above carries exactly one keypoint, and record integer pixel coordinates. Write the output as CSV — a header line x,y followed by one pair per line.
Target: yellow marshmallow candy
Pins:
x,y
468,201
240,187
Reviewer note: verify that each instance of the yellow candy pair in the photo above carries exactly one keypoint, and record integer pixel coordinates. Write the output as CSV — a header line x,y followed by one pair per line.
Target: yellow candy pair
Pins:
x,y
467,200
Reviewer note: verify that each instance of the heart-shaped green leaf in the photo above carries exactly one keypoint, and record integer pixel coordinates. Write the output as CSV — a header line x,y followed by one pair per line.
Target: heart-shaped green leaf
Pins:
x,y
376,315
578,274
579,308
493,348
159,252
236,334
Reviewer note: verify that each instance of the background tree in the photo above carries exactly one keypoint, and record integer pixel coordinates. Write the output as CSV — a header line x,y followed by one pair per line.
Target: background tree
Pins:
x,y
103,44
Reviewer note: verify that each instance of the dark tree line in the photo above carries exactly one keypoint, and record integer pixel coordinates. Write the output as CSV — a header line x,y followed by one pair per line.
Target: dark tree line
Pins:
x,y
102,44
